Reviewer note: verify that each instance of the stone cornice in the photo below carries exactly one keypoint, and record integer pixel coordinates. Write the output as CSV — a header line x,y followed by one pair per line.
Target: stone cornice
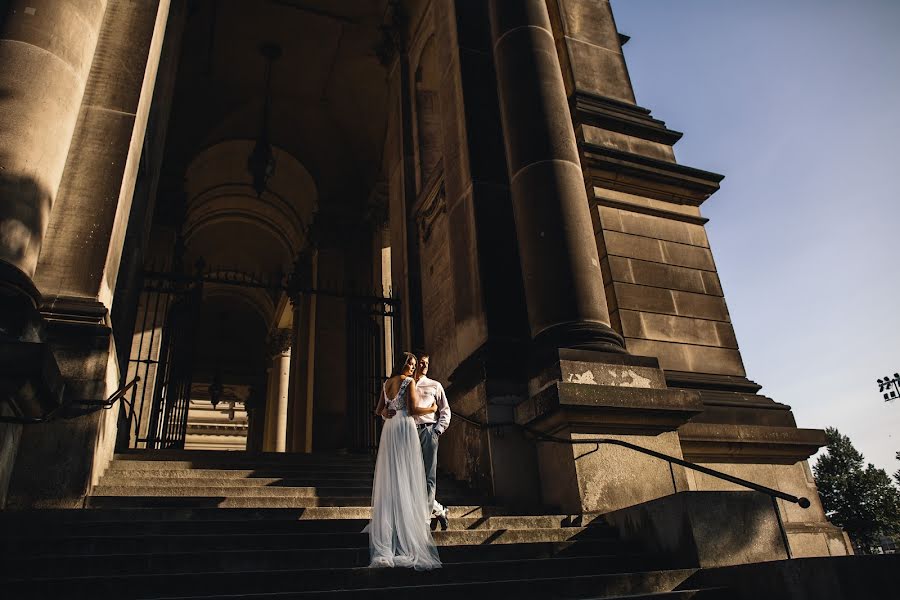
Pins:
x,y
706,381
70,310
607,409
719,442
621,117
647,210
649,177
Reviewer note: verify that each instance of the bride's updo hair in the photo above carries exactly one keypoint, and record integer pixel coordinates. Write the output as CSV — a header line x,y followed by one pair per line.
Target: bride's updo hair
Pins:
x,y
398,368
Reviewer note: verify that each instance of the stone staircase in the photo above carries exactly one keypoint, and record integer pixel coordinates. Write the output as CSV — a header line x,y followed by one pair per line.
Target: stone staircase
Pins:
x,y
227,525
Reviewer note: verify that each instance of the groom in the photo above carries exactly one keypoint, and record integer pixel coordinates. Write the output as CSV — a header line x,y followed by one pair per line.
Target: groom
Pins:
x,y
430,427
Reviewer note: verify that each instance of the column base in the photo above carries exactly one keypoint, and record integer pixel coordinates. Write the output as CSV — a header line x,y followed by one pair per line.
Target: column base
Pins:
x,y
500,462
582,336
57,462
584,395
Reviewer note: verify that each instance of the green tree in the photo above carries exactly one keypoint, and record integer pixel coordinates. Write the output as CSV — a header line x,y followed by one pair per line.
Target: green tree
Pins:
x,y
861,499
897,473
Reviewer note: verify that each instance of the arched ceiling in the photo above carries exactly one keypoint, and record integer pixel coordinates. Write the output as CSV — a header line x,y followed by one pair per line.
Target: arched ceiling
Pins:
x,y
228,225
329,90
327,123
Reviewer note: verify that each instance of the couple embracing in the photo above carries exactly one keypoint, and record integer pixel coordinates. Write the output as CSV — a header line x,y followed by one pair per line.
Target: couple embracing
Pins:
x,y
416,413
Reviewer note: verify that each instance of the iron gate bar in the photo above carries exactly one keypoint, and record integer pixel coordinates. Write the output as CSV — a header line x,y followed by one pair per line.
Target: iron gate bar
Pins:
x,y
160,409
242,279
370,324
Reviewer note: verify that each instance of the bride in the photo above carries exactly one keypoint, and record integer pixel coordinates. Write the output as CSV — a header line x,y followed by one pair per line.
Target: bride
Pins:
x,y
399,535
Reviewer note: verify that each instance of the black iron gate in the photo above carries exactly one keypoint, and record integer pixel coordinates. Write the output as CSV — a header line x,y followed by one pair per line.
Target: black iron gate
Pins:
x,y
371,336
163,348
162,355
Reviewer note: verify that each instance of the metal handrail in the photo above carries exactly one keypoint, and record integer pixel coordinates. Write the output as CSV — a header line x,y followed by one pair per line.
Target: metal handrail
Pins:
x,y
116,396
801,501
34,420
99,404
773,494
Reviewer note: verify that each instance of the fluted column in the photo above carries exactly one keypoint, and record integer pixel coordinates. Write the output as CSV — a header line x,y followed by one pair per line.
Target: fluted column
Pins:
x,y
46,51
561,269
280,344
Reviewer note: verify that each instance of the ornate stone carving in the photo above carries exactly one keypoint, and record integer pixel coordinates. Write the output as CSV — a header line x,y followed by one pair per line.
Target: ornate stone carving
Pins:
x,y
280,341
432,206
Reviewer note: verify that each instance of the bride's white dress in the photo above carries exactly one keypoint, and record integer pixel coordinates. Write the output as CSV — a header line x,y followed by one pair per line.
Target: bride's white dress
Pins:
x,y
399,535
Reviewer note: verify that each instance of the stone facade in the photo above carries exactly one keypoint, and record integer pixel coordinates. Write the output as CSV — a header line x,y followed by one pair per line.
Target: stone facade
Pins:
x,y
471,178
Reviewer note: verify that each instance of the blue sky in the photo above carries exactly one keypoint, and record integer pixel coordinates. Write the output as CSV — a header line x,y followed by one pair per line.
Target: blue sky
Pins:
x,y
797,103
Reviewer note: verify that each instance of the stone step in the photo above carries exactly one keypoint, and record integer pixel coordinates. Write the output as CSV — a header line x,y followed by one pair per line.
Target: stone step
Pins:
x,y
318,558
232,490
296,473
147,481
136,543
243,465
717,593
37,528
575,586
221,500
212,477
231,456
298,496
244,477
63,517
323,580
451,488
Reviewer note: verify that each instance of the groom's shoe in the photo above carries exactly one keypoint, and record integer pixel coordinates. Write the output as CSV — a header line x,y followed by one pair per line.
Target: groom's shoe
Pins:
x,y
442,519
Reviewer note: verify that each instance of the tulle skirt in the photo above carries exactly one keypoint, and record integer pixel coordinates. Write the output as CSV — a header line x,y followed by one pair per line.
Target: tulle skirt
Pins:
x,y
399,535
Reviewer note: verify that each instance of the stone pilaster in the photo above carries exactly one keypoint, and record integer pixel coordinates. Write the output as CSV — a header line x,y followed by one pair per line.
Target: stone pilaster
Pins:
x,y
563,282
99,180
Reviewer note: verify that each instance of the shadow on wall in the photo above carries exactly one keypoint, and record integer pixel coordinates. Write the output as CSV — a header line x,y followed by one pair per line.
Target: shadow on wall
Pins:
x,y
705,529
24,212
10,211
821,578
24,203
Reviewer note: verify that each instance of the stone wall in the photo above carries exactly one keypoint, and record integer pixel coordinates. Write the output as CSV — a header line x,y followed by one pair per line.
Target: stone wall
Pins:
x,y
664,292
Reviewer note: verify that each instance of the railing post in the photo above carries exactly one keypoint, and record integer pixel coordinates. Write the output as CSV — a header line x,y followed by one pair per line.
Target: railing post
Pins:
x,y
784,538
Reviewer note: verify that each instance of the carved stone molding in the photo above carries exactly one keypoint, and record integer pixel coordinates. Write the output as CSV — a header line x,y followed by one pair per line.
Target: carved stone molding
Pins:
x,y
280,341
431,206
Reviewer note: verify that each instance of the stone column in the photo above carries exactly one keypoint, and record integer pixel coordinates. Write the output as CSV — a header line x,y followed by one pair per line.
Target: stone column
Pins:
x,y
280,344
46,51
563,284
267,416
68,70
300,431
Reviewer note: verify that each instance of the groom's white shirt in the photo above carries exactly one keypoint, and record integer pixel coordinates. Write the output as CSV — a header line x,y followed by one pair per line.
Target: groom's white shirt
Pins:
x,y
432,391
